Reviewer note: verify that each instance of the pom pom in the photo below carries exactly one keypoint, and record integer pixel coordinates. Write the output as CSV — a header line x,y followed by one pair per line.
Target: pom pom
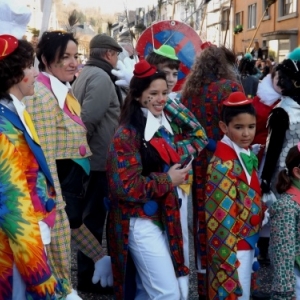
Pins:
x,y
255,220
255,266
50,204
150,208
295,54
248,56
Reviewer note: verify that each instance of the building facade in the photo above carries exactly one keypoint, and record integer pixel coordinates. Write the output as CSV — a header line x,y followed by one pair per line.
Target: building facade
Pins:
x,y
275,28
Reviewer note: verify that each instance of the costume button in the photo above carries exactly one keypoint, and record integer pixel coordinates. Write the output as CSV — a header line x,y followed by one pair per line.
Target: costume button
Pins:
x,y
82,150
150,208
50,204
255,220
255,266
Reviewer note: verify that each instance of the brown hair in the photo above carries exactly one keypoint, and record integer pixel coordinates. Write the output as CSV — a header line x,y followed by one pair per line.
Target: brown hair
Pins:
x,y
214,63
285,176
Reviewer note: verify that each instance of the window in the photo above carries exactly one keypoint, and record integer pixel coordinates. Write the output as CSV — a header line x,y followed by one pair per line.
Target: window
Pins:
x,y
265,5
288,7
239,18
252,16
225,19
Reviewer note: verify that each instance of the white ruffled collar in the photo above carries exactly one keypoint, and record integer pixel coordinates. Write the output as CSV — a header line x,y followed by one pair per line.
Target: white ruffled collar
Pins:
x,y
59,89
266,92
20,107
226,140
154,123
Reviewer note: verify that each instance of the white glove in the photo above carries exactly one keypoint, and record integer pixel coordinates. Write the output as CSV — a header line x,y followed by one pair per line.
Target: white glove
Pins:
x,y
103,272
266,218
73,296
124,72
255,148
183,283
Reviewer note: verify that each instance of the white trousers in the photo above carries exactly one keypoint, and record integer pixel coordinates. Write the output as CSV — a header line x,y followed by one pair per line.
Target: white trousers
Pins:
x,y
148,246
246,258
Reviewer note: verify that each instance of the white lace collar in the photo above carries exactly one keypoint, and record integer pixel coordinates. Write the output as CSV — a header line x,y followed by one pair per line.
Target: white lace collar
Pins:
x,y
59,89
154,123
226,140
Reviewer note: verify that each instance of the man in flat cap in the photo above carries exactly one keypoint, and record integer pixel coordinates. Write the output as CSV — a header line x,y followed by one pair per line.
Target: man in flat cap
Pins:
x,y
101,101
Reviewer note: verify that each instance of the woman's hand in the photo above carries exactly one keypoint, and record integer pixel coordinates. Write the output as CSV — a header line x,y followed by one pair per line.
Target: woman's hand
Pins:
x,y
178,176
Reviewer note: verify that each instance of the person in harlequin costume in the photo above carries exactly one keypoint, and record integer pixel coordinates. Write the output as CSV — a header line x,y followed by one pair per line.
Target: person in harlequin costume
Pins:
x,y
27,197
211,80
285,233
56,113
284,121
143,170
233,209
183,124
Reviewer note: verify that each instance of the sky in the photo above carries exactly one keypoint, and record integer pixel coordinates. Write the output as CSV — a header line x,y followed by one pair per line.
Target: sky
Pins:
x,y
111,6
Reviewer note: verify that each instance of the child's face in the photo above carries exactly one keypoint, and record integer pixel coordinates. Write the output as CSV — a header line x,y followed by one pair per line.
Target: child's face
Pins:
x,y
241,129
171,75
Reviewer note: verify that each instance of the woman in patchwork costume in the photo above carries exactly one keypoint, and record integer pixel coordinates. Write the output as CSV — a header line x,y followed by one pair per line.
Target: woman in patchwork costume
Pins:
x,y
285,230
27,196
188,133
233,204
145,228
56,113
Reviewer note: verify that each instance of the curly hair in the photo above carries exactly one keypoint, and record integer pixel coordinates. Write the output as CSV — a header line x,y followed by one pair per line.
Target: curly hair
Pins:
x,y
214,63
12,67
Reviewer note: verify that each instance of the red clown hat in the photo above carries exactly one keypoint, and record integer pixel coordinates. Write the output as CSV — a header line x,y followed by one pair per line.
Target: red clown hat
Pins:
x,y
8,44
206,45
237,99
143,69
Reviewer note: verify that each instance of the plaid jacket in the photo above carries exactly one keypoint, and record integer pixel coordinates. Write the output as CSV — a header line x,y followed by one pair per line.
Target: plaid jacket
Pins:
x,y
60,136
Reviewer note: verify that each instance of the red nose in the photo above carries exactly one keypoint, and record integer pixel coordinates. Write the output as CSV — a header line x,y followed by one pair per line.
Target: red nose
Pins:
x,y
163,101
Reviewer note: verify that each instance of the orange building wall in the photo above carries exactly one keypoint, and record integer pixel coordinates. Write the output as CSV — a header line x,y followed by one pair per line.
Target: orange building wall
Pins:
x,y
242,40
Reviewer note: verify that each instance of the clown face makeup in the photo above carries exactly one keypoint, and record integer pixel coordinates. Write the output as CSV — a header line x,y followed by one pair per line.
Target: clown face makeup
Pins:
x,y
154,98
64,69
26,86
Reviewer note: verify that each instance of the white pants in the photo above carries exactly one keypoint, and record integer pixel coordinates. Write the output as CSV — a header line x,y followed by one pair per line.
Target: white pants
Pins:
x,y
246,258
149,249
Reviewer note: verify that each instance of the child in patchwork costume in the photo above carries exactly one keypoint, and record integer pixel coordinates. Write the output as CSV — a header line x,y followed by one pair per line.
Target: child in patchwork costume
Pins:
x,y
233,208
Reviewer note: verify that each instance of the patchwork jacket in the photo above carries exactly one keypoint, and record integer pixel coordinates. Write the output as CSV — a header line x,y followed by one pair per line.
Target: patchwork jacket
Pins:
x,y
233,214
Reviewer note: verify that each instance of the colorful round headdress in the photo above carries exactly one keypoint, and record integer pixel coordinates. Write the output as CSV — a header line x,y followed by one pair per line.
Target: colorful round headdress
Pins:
x,y
237,99
8,44
143,69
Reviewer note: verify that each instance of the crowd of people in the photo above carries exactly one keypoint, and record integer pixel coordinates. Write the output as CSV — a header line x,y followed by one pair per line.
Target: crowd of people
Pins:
x,y
115,150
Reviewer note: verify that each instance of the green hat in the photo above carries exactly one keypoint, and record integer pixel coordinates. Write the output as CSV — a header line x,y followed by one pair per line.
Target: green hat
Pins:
x,y
167,51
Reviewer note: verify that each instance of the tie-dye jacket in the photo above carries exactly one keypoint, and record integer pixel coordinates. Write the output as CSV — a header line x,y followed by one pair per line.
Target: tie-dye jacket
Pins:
x,y
26,197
